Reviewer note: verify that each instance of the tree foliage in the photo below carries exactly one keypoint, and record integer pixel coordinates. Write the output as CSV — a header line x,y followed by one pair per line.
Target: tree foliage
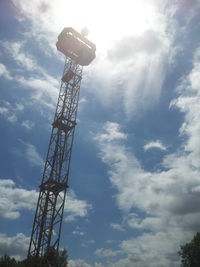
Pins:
x,y
7,261
190,253
52,259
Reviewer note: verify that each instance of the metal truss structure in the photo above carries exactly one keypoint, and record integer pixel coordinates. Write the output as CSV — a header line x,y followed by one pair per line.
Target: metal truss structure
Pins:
x,y
47,224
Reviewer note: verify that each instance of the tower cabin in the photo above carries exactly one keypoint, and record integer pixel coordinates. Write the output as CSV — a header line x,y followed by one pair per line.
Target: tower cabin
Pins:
x,y
76,46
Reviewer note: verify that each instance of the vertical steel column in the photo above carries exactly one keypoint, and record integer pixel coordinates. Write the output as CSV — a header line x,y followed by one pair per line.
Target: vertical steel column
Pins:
x,y
49,212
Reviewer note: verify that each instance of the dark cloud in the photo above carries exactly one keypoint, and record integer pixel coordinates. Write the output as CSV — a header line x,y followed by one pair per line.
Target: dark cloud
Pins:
x,y
186,204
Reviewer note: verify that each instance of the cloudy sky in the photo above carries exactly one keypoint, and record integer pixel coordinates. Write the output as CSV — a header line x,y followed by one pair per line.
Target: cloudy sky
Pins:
x,y
134,193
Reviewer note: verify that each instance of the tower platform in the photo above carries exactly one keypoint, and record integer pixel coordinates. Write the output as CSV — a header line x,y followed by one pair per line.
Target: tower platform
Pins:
x,y
74,45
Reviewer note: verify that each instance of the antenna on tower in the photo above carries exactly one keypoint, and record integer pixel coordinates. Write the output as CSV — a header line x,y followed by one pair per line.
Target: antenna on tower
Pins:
x,y
46,231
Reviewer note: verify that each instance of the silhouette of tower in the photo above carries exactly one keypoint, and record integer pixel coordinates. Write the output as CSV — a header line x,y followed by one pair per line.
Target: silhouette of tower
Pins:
x,y
46,231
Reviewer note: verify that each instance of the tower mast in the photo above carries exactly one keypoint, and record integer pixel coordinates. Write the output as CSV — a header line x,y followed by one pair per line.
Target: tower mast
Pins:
x,y
46,231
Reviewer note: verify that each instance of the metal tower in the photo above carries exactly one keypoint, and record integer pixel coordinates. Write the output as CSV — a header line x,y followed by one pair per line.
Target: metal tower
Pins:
x,y
45,237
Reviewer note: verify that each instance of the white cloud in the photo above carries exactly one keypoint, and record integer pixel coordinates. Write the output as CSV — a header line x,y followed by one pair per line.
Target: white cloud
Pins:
x,y
4,72
75,208
14,246
32,155
10,111
19,106
146,250
188,102
13,200
44,87
3,110
78,263
85,244
155,144
7,183
15,50
147,43
117,226
91,241
123,81
78,232
137,46
135,222
106,253
168,198
82,263
111,133
44,90
109,241
27,124
12,118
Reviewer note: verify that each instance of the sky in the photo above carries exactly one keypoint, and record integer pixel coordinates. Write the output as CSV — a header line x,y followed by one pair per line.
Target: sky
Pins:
x,y
134,185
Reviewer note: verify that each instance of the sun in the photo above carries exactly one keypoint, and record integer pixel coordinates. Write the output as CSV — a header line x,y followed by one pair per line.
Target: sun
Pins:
x,y
107,20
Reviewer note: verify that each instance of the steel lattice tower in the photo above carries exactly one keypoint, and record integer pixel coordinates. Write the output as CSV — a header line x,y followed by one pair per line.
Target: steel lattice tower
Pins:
x,y
47,224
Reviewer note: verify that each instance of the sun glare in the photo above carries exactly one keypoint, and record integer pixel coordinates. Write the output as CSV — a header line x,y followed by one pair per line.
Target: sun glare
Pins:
x,y
107,21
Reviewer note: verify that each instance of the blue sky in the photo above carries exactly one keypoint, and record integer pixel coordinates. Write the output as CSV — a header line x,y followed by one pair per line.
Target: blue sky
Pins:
x,y
134,193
